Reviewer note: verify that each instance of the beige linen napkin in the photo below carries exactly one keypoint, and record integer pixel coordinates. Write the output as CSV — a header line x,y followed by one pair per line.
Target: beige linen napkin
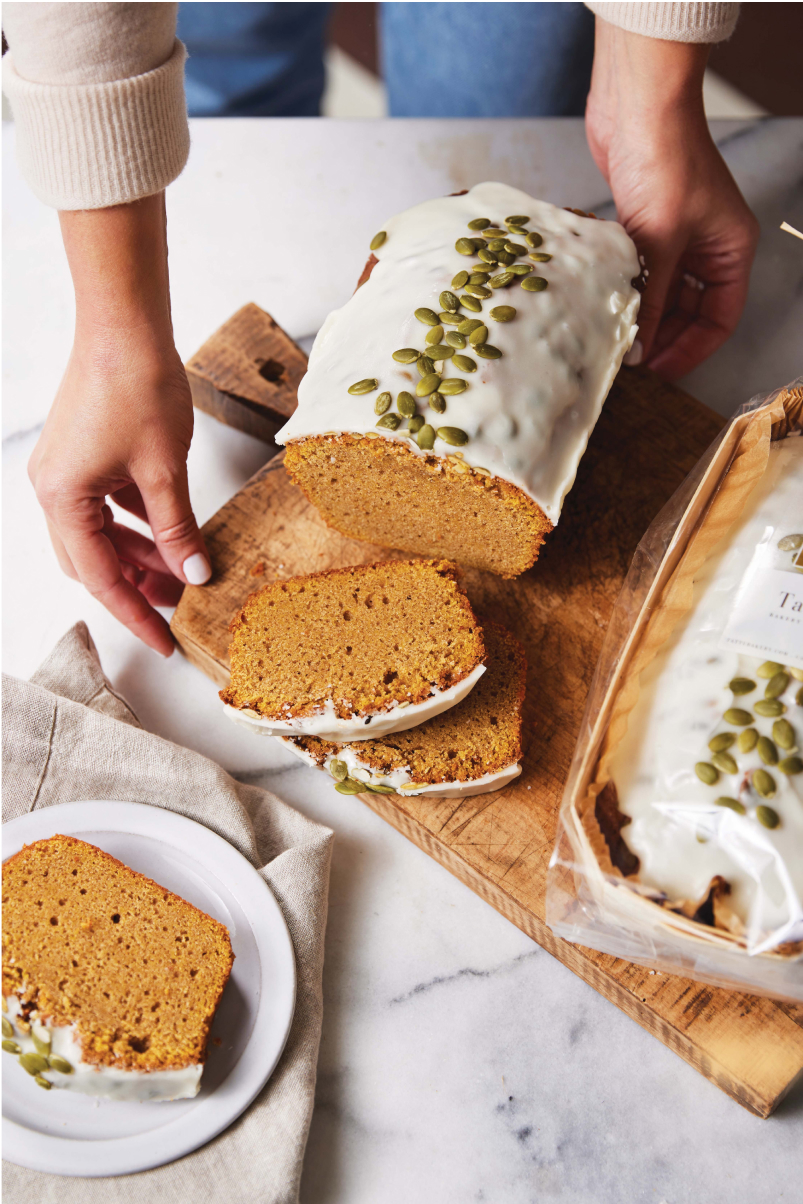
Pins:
x,y
68,736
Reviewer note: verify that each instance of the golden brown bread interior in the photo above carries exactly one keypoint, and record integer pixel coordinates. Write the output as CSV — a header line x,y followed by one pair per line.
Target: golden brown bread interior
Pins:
x,y
364,638
481,735
379,490
90,942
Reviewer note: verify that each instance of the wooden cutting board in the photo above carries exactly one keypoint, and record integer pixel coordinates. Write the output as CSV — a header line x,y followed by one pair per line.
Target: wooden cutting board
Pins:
x,y
648,438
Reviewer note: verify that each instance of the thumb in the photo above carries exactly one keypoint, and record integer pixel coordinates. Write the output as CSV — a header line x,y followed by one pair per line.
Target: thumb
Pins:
x,y
175,531
660,260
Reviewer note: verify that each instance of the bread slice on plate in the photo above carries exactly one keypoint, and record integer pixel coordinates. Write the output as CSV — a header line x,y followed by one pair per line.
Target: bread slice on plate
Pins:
x,y
352,652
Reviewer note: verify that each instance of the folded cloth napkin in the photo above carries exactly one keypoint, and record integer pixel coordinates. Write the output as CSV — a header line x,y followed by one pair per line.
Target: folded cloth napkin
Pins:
x,y
68,736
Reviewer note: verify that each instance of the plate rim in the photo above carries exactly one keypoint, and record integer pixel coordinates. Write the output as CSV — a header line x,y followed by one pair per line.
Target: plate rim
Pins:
x,y
145,1151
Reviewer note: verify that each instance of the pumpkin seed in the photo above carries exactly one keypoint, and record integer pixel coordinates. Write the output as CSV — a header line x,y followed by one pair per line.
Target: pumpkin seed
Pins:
x,y
380,789
452,435
455,339
493,232
768,816
791,765
8,1028
449,319
453,386
378,239
539,257
364,386
515,248
479,277
427,316
487,351
428,384
11,1047
466,246
459,280
737,717
767,751
790,543
503,313
488,256
479,223
478,335
425,365
442,352
479,290
799,697
426,437
725,762
514,228
41,1081
405,404
534,284
505,258
707,773
722,741
464,363
517,219
497,244
349,786
339,770
389,422
468,324
732,803
796,673
414,424
502,280
748,739
520,269
449,301
768,669
741,685
405,355
471,303
382,403
434,335
60,1064
783,733
33,1063
764,783
533,239
437,403
41,1043
769,708
480,243
776,685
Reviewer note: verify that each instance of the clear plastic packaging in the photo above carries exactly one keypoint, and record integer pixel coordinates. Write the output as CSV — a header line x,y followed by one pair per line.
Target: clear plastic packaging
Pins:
x,y
684,865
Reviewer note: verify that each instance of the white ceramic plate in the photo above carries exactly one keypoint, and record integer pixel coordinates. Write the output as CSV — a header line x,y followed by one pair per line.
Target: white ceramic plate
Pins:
x,y
69,1134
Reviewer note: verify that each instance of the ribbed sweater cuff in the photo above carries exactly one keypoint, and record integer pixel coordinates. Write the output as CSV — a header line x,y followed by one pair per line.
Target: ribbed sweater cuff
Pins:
x,y
88,146
672,22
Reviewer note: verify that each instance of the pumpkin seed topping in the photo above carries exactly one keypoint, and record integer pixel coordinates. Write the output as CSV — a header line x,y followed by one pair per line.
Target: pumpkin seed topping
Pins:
x,y
60,1064
389,422
505,258
464,363
8,1028
799,697
768,816
378,239
428,384
437,403
405,355
405,404
783,733
539,257
479,290
459,280
517,219
741,685
488,256
471,303
503,280
769,669
767,751
426,437
769,708
796,673
487,351
515,248
449,388
493,232
469,324
725,762
449,301
452,435
364,386
433,335
737,717
479,277
33,1063
533,240
339,770
41,1042
497,244
455,339
722,741
466,246
427,316
382,403
514,228
776,685
791,765
442,352
415,424
503,313
479,223
534,284
520,269
478,335
425,365
378,788
732,803
707,773
764,783
450,319
41,1081
748,739
11,1047
349,786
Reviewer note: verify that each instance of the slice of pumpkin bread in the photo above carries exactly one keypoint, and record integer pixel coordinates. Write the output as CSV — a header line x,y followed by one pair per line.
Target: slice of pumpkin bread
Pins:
x,y
337,654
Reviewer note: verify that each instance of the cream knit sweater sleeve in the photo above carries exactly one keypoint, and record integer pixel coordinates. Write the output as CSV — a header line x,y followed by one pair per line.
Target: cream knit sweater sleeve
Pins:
x,y
672,22
97,92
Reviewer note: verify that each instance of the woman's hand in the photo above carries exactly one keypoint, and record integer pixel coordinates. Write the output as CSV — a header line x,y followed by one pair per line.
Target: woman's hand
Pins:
x,y
674,195
121,426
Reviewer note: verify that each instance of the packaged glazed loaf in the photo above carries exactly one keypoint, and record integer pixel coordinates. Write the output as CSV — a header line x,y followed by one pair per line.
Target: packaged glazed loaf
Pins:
x,y
680,838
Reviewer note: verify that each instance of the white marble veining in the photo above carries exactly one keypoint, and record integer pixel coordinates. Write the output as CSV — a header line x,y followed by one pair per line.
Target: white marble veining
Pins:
x,y
459,1062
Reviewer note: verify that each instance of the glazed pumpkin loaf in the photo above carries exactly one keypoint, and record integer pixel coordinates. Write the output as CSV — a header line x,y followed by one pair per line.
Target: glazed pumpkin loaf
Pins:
x,y
447,404
473,748
380,646
110,982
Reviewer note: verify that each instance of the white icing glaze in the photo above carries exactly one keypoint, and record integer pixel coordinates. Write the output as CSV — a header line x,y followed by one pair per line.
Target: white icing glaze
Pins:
x,y
400,779
107,1082
684,694
327,725
528,414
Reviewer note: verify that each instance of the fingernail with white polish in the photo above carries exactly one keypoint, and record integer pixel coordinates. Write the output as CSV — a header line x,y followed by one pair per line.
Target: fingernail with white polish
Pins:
x,y
635,355
196,569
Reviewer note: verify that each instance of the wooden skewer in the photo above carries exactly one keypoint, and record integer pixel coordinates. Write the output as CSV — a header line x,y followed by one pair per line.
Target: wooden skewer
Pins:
x,y
791,230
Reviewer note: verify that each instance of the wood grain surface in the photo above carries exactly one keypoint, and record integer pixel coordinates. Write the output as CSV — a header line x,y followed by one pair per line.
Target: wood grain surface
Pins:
x,y
649,436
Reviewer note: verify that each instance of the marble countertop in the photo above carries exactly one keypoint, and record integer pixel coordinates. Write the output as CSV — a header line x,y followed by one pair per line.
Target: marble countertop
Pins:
x,y
459,1061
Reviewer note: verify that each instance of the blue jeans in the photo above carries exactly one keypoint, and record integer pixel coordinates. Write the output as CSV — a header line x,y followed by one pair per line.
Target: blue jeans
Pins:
x,y
440,60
